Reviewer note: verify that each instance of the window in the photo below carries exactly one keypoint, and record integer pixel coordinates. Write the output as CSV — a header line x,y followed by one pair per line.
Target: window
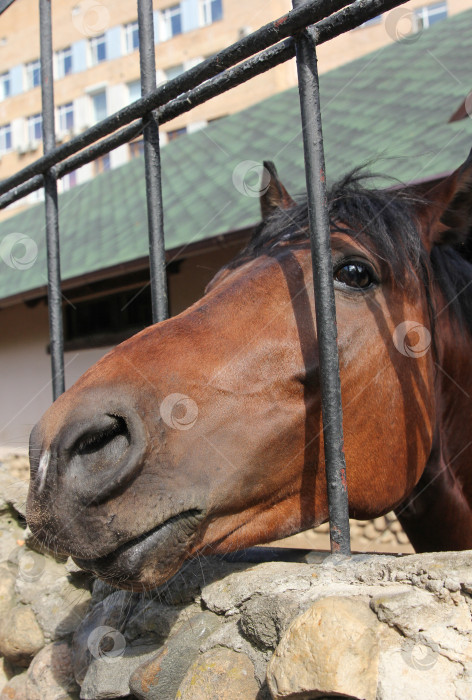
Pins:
x,y
99,106
98,49
174,71
107,319
69,180
429,15
5,85
210,11
171,21
5,138
65,114
33,74
132,37
35,128
64,62
172,135
102,164
134,91
136,148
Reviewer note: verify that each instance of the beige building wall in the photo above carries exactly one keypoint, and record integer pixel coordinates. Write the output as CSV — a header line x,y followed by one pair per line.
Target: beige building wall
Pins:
x,y
26,372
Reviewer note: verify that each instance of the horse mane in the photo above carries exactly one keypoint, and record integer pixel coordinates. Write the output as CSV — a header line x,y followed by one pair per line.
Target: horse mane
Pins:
x,y
385,221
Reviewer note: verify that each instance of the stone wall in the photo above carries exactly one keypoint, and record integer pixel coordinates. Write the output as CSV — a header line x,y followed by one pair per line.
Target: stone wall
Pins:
x,y
379,627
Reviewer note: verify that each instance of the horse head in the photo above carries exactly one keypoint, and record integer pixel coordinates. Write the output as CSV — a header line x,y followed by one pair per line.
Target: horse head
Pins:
x,y
202,434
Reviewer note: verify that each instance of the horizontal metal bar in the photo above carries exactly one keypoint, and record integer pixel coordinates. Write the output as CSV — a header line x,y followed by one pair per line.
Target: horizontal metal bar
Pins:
x,y
271,33
348,18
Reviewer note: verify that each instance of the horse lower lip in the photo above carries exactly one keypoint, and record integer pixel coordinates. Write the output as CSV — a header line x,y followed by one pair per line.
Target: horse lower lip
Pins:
x,y
128,555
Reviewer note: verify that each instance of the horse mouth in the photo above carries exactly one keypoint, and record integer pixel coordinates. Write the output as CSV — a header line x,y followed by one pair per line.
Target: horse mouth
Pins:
x,y
151,558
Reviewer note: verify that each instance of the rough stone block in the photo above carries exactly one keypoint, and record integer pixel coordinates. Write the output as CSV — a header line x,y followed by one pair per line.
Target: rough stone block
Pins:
x,y
15,689
50,674
332,649
20,635
220,674
160,678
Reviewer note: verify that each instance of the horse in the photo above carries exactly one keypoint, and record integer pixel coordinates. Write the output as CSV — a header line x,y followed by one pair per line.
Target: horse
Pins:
x,y
202,434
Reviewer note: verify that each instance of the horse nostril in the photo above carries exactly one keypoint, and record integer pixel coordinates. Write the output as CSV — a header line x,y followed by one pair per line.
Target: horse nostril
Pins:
x,y
100,455
108,437
100,448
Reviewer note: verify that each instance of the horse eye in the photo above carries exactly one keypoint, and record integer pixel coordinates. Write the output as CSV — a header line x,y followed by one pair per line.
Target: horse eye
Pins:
x,y
355,274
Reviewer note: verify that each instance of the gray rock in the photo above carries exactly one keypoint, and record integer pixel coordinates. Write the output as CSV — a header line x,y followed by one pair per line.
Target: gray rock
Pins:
x,y
7,589
429,676
228,594
187,584
265,618
159,679
50,674
140,621
11,538
13,490
101,590
229,636
425,620
108,675
59,604
111,613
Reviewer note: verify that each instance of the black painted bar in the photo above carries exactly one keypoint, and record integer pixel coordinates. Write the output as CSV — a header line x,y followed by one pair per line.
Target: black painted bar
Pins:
x,y
320,240
152,165
51,205
348,18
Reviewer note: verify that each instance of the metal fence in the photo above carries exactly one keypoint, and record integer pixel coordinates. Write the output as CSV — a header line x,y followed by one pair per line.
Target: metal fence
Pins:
x,y
295,34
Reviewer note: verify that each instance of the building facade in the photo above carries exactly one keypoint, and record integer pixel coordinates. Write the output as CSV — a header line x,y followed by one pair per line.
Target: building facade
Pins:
x,y
96,65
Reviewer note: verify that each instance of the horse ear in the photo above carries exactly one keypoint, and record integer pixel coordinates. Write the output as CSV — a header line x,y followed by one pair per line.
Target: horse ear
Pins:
x,y
449,214
273,195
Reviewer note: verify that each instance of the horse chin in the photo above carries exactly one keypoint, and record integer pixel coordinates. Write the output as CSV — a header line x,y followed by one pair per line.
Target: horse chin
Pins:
x,y
150,559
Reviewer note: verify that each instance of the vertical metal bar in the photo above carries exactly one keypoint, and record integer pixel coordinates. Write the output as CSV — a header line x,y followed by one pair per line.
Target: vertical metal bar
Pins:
x,y
51,207
320,240
152,164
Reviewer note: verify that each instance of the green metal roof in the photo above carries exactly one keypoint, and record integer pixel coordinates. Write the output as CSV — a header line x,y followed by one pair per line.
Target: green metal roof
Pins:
x,y
392,105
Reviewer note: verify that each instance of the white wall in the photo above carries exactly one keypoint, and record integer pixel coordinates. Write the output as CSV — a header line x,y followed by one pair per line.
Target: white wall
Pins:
x,y
25,369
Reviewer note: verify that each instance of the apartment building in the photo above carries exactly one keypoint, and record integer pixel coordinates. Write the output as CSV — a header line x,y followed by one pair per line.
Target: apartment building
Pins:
x,y
96,68
96,65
